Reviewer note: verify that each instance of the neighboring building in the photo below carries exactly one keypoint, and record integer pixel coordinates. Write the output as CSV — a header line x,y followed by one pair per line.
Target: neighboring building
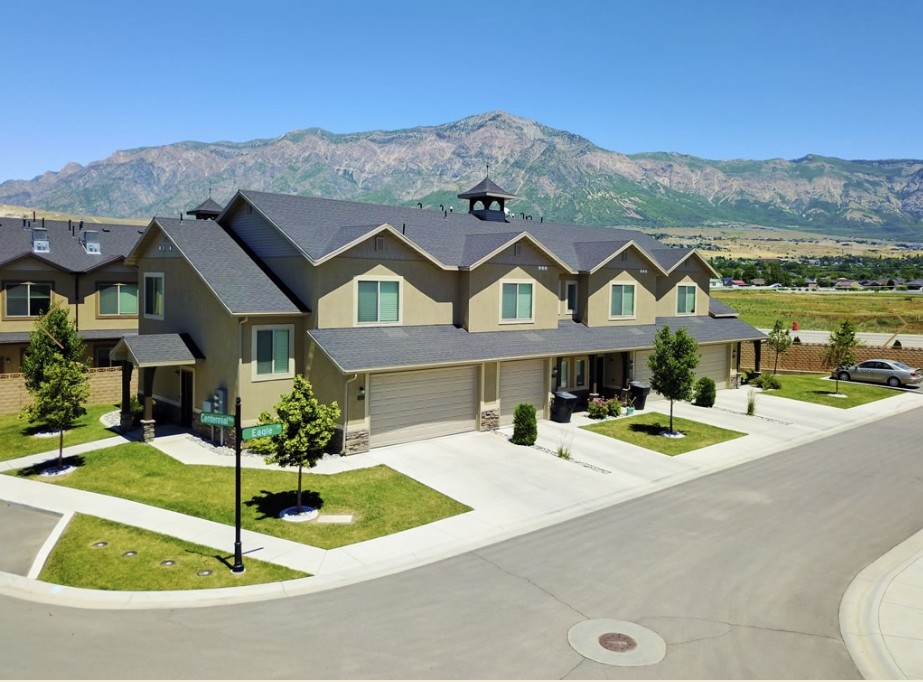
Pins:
x,y
417,322
80,265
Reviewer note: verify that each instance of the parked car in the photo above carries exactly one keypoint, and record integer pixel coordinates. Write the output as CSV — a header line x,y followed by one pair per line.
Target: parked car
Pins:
x,y
890,372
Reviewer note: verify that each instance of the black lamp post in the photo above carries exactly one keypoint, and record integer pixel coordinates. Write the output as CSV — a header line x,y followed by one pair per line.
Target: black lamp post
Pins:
x,y
238,555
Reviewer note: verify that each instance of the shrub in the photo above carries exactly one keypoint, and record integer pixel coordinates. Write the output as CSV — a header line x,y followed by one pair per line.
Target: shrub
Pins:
x,y
705,392
614,406
767,382
525,427
597,408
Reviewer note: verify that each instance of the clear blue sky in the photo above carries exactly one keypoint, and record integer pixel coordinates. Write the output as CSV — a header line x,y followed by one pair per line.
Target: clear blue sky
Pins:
x,y
718,79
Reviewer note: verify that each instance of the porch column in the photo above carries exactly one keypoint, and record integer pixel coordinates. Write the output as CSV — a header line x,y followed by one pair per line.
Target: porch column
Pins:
x,y
757,352
147,421
125,417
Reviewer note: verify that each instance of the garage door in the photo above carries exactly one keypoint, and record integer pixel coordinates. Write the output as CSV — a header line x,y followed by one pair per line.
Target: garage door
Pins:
x,y
415,405
642,372
522,381
714,364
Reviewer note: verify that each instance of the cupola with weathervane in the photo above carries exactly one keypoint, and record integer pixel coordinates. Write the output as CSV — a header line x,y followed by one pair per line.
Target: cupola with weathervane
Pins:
x,y
487,200
207,210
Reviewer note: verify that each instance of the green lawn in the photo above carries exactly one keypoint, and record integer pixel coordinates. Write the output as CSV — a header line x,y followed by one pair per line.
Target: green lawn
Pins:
x,y
381,500
77,562
813,388
644,430
17,439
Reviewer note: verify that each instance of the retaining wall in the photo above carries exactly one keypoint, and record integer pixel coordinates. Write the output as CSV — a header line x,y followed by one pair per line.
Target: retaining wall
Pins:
x,y
808,357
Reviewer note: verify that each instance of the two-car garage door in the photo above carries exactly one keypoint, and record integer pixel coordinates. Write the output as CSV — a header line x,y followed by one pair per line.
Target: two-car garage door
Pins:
x,y
408,406
713,362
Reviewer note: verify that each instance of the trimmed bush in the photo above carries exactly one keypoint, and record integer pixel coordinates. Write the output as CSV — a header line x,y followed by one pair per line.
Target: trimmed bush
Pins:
x,y
615,407
597,408
705,392
525,427
767,382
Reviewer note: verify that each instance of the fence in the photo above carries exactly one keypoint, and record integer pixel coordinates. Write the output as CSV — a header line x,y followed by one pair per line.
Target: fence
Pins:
x,y
808,357
105,387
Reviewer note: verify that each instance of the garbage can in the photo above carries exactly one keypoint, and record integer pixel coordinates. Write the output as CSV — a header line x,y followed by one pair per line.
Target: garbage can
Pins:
x,y
638,392
562,407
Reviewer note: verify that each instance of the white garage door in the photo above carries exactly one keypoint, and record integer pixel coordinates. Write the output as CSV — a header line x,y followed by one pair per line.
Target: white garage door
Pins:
x,y
714,364
522,381
415,405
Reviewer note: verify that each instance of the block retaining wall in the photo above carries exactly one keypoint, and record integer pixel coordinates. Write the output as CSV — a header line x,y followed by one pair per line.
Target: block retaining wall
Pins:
x,y
105,387
808,357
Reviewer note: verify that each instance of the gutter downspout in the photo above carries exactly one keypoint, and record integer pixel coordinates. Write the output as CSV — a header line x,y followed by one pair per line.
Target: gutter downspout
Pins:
x,y
346,410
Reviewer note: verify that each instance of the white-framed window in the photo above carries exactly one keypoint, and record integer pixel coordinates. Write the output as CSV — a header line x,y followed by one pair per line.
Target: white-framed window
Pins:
x,y
118,299
153,295
378,300
621,301
685,299
569,296
516,302
272,351
27,299
573,373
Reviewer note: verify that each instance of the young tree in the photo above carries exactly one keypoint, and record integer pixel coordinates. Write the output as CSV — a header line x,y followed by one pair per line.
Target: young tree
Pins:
x,y
58,401
54,370
780,340
525,428
307,427
841,349
672,365
53,334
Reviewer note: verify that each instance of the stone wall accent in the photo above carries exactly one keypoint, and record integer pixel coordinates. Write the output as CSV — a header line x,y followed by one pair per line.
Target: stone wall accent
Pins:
x,y
490,419
356,442
105,387
148,430
808,357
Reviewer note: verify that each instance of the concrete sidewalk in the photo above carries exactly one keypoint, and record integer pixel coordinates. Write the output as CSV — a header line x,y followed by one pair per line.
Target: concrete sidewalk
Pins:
x,y
512,490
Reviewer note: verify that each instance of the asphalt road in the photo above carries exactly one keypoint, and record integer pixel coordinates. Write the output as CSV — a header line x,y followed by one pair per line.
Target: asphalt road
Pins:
x,y
741,573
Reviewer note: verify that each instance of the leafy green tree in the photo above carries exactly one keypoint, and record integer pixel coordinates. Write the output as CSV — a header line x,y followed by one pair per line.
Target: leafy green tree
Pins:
x,y
780,340
672,365
54,371
841,349
58,400
307,427
54,334
525,427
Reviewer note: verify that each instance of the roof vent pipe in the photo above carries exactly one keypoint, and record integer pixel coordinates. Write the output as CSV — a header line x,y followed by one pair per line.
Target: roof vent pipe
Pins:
x,y
404,228
442,207
43,221
33,215
419,205
81,226
541,219
522,215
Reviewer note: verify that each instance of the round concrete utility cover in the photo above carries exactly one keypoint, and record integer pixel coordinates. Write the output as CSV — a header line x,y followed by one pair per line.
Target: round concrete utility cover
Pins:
x,y
617,642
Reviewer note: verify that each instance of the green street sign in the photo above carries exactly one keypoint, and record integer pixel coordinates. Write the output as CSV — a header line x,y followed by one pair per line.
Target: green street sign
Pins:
x,y
261,431
216,419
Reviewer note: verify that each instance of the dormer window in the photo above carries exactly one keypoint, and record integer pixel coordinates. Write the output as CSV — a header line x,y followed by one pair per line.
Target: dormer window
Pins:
x,y
91,242
40,243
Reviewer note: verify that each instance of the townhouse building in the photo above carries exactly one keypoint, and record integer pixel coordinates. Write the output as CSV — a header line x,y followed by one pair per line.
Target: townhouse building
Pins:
x,y
417,322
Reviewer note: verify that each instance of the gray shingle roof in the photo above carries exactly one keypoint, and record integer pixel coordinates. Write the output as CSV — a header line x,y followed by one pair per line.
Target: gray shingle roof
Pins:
x,y
67,251
452,238
485,188
152,350
378,348
238,282
718,309
86,335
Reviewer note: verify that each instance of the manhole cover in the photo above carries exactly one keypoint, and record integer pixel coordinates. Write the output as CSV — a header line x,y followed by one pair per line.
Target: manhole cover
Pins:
x,y
100,544
168,562
617,641
129,553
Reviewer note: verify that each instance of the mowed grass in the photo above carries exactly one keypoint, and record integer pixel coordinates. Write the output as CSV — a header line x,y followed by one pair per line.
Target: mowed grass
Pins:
x,y
644,431
76,562
870,312
381,500
819,389
17,435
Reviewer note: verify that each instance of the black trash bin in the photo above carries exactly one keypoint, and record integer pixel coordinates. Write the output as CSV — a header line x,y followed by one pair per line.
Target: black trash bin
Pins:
x,y
638,392
562,407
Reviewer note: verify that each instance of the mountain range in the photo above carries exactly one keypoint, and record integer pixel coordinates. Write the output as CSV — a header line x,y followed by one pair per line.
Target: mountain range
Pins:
x,y
555,174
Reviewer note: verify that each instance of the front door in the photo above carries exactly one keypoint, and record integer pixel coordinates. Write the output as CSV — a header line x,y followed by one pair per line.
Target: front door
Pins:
x,y
185,398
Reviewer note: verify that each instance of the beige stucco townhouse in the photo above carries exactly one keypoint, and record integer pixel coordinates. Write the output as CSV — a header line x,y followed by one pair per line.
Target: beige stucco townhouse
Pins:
x,y
417,322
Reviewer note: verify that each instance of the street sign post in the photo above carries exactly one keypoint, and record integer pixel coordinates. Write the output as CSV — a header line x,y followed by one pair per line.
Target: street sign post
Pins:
x,y
262,431
216,419
238,566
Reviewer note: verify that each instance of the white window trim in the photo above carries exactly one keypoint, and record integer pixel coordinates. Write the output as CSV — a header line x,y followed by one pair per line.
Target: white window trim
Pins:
x,y
30,284
531,319
571,362
153,275
290,374
379,278
695,299
634,286
565,285
102,285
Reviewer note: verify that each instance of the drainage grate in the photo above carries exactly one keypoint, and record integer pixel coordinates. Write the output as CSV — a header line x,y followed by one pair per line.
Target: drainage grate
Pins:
x,y
617,641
